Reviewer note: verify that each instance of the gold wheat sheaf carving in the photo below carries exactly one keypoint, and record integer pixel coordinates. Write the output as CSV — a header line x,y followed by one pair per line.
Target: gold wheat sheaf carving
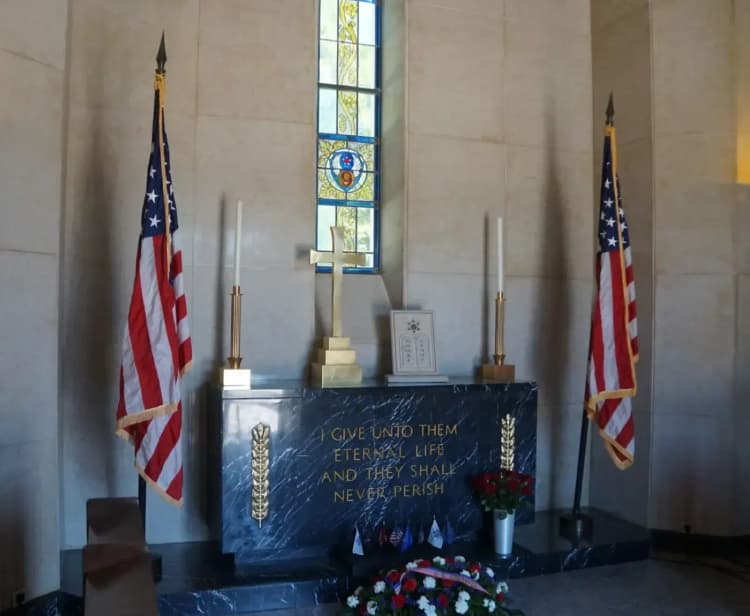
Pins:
x,y
507,442
260,467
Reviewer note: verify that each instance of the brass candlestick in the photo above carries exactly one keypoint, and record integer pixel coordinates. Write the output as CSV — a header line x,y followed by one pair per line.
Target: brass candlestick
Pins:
x,y
499,371
235,377
499,355
234,358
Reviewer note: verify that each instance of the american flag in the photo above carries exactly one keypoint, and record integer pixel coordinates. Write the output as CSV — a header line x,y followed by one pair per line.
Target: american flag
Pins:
x,y
156,348
613,353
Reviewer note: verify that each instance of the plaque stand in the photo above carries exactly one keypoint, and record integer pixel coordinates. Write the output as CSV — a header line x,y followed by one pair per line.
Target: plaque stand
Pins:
x,y
235,377
499,371
336,363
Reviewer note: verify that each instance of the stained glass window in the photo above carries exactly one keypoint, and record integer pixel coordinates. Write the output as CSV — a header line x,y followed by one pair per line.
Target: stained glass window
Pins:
x,y
348,190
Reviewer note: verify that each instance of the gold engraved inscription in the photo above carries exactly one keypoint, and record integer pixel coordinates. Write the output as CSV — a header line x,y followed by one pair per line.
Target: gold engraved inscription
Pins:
x,y
411,468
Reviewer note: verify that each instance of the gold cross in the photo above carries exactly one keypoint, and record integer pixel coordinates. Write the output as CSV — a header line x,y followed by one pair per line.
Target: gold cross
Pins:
x,y
338,258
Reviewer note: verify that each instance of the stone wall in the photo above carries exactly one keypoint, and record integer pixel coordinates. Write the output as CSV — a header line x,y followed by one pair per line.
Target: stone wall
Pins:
x,y
621,50
496,120
499,124
695,284
678,70
240,117
32,69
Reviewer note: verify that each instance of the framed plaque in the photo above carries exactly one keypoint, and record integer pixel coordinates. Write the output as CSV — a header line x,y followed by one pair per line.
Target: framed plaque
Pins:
x,y
413,343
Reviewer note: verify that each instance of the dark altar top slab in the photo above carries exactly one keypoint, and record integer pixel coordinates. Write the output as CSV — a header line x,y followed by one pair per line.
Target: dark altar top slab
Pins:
x,y
367,456
263,387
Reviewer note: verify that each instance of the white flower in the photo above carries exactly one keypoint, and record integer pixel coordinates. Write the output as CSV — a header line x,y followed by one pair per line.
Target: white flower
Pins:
x,y
429,582
372,607
461,607
466,573
489,604
352,601
411,565
438,560
460,559
475,575
379,586
501,587
430,610
464,596
423,603
490,573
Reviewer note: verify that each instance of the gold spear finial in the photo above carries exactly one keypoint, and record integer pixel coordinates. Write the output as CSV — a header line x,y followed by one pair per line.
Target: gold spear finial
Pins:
x,y
161,57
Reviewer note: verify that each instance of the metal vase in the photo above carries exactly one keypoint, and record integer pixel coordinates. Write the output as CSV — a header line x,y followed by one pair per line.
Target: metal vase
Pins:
x,y
504,524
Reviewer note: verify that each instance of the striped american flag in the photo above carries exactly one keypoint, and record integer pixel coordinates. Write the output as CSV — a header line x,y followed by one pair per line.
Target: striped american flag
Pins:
x,y
613,353
156,349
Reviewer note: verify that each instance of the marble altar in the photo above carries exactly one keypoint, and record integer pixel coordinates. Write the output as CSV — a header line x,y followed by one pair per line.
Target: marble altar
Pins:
x,y
367,456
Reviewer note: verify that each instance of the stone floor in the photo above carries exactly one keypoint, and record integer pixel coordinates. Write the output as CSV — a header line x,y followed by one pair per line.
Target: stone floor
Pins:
x,y
646,588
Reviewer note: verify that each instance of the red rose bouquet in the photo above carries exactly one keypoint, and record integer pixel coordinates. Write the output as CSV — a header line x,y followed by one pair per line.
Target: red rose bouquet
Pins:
x,y
503,490
443,586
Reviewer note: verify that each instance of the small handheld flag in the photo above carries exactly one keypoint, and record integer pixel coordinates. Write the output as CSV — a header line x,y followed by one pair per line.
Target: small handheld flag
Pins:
x,y
450,535
436,537
420,535
382,536
408,539
396,535
357,544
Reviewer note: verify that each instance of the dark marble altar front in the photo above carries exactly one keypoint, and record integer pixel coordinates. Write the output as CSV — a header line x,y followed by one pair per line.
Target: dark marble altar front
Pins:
x,y
365,456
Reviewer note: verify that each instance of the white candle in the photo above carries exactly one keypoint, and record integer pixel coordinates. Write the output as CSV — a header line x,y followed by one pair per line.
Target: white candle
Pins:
x,y
500,273
237,244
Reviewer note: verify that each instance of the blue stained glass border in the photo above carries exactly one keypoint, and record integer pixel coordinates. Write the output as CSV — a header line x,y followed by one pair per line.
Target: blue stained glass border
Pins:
x,y
357,138
348,203
374,205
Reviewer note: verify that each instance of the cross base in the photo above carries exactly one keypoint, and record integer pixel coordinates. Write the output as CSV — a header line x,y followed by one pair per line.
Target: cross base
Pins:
x,y
336,343
336,364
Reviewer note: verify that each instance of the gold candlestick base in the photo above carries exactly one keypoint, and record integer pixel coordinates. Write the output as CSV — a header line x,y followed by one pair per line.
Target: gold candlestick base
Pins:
x,y
499,371
235,377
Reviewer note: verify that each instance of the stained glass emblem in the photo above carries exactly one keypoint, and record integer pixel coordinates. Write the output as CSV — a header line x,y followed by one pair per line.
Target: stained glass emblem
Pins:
x,y
346,169
348,125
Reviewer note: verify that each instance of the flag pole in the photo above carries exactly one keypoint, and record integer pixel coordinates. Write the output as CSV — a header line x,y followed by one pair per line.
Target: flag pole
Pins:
x,y
160,83
161,60
576,524
581,463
